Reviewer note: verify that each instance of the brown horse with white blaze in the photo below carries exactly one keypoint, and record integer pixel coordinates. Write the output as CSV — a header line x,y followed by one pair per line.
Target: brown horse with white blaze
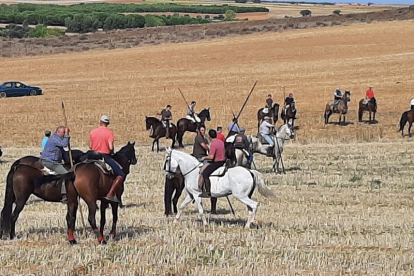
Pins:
x,y
340,108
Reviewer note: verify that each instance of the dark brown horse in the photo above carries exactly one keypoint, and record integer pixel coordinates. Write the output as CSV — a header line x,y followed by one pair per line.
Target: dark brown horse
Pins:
x,y
92,184
371,107
290,115
175,186
341,108
407,116
24,180
158,131
273,114
185,124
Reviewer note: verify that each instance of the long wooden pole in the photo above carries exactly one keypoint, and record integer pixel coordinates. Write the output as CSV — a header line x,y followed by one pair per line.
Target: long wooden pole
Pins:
x,y
71,165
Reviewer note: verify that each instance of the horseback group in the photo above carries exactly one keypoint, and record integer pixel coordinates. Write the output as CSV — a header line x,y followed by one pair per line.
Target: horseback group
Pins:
x,y
271,110
60,174
339,105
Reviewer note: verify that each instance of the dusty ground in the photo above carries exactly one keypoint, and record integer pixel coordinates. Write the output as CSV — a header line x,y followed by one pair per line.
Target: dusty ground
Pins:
x,y
344,206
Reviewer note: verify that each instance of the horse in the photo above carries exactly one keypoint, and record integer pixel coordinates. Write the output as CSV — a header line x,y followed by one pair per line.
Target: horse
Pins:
x,y
175,185
371,107
92,184
185,124
159,131
289,115
407,116
24,180
273,113
279,139
237,181
341,108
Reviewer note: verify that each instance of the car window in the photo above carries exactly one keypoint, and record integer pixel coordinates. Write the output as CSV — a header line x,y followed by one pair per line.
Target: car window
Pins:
x,y
8,85
17,85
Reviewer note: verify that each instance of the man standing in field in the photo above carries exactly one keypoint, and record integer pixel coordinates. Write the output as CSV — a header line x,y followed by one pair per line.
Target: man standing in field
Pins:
x,y
220,134
200,147
101,140
369,95
46,138
52,156
166,116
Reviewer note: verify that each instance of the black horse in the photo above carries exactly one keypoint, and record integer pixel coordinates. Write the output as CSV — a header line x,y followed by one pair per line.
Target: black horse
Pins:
x,y
185,124
159,131
289,115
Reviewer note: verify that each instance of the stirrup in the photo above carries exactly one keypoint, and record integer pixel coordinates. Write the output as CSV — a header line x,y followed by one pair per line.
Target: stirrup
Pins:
x,y
114,199
64,199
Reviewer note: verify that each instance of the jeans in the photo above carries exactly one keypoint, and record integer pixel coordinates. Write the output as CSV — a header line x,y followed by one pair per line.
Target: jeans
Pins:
x,y
268,139
115,167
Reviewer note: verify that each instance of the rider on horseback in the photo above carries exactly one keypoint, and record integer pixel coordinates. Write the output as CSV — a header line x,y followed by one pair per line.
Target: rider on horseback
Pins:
x,y
412,104
218,158
191,115
242,143
269,103
265,128
52,155
101,140
337,97
166,116
289,101
369,95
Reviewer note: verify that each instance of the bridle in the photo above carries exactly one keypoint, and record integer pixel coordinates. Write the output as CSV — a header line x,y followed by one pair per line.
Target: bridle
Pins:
x,y
168,159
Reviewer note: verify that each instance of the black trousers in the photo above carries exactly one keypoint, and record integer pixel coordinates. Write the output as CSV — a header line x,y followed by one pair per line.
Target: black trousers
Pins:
x,y
211,168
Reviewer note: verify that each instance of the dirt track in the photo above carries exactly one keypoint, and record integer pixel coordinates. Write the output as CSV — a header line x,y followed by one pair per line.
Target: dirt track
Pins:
x,y
190,33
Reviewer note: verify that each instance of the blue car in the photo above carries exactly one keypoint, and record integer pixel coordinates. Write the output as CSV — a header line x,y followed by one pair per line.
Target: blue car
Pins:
x,y
16,88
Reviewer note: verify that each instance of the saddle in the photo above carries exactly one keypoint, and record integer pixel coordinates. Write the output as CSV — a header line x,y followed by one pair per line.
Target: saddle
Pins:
x,y
262,140
220,172
96,158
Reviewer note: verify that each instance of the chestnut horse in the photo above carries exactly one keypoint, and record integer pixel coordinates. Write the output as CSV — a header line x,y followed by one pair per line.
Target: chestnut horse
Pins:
x,y
341,108
185,124
92,184
158,131
371,107
273,114
407,116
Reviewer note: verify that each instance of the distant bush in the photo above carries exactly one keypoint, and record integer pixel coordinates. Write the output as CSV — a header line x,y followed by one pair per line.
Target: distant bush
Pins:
x,y
230,15
43,31
338,12
15,31
305,12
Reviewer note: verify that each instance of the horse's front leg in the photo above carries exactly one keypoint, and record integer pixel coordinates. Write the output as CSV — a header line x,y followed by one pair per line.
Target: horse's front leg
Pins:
x,y
409,129
200,209
153,143
104,205
158,145
186,201
114,219
71,220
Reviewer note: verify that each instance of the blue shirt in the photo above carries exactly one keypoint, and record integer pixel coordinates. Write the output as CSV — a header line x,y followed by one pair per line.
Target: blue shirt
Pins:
x,y
53,149
234,128
44,141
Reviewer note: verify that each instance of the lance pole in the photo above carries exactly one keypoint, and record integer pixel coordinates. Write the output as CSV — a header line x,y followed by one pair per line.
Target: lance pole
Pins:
x,y
71,164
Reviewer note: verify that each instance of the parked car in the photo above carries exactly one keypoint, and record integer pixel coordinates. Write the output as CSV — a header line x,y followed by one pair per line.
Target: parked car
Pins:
x,y
16,88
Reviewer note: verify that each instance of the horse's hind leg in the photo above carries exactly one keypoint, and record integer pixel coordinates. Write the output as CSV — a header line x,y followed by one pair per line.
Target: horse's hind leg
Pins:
x,y
92,221
177,195
15,216
186,201
71,220
251,207
153,144
409,129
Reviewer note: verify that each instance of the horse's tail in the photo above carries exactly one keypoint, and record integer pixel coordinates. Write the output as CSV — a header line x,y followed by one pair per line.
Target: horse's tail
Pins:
x,y
403,120
261,186
9,198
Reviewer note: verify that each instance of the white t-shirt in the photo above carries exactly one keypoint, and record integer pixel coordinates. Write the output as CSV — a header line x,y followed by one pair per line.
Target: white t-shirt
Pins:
x,y
412,102
265,128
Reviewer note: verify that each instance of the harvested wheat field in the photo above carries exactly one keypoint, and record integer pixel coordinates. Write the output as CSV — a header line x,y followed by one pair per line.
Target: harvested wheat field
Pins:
x,y
344,206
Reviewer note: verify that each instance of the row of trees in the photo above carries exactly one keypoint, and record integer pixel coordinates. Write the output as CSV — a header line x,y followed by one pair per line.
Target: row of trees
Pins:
x,y
23,31
126,8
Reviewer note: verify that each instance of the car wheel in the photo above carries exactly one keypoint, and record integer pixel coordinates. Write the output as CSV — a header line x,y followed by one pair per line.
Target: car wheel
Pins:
x,y
3,94
33,93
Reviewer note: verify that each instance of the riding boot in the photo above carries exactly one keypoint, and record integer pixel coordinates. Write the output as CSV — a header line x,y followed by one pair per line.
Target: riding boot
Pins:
x,y
167,132
270,151
207,192
111,196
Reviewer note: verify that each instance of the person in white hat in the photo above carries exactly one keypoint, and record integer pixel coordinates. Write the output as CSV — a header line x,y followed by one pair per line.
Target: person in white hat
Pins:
x,y
101,140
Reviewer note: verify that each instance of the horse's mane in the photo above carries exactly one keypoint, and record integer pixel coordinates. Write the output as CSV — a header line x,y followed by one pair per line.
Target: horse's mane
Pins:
x,y
205,110
187,155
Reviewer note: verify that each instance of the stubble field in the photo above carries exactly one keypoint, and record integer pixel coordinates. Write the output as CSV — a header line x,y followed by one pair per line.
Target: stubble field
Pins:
x,y
344,206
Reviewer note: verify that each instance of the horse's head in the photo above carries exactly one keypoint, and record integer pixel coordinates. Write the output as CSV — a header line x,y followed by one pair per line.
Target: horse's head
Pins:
x,y
287,130
347,96
129,152
170,164
147,123
205,114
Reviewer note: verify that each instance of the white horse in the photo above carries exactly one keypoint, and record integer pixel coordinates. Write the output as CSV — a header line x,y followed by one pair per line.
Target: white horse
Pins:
x,y
279,140
237,181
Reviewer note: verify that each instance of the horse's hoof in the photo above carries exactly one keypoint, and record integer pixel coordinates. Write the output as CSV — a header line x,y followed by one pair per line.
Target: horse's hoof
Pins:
x,y
175,221
103,242
72,242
